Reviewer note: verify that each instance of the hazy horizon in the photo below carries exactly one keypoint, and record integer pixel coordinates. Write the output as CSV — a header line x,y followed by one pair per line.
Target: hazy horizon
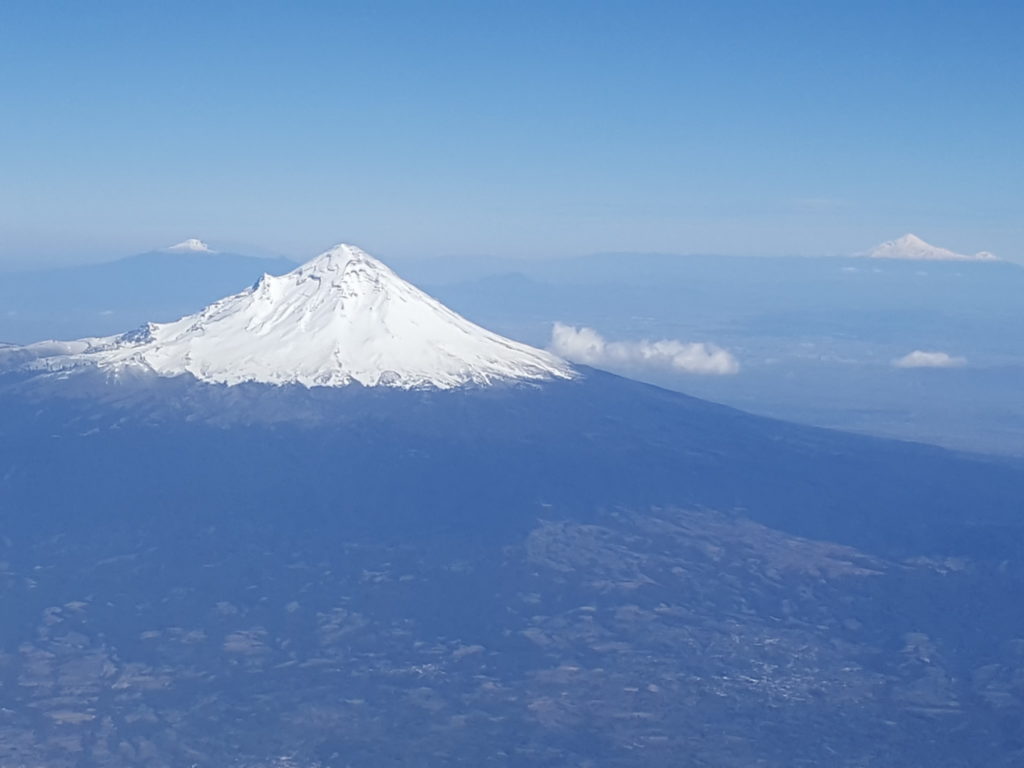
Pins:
x,y
77,258
533,130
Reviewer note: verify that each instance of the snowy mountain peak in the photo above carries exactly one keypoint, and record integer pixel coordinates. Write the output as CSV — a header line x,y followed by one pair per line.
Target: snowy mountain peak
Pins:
x,y
910,240
192,245
342,318
340,256
914,248
348,264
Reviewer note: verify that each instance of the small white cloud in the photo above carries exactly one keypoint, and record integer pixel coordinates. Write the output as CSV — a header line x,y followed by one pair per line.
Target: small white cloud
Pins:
x,y
587,346
920,359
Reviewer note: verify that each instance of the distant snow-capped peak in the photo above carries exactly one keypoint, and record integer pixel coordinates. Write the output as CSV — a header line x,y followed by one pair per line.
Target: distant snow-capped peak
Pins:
x,y
342,318
914,248
192,245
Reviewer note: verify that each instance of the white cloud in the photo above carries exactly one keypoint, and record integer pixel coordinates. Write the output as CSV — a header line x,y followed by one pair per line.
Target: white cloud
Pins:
x,y
587,346
921,359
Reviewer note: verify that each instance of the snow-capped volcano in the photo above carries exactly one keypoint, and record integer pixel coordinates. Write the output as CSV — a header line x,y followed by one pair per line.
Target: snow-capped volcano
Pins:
x,y
339,319
192,245
913,248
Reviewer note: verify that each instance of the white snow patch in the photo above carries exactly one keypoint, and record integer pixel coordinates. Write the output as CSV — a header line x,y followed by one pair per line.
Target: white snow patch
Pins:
x,y
587,346
192,245
339,319
921,359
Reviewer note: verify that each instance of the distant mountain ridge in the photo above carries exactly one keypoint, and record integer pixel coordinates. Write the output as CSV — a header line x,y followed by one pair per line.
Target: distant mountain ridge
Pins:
x,y
913,248
107,297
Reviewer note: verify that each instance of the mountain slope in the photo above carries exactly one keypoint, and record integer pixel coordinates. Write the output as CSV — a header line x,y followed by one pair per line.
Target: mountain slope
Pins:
x,y
592,441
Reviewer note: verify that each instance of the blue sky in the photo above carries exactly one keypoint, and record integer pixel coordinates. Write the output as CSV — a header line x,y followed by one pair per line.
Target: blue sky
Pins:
x,y
509,128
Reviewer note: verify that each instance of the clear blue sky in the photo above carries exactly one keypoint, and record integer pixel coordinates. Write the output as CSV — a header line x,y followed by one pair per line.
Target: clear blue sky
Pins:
x,y
509,128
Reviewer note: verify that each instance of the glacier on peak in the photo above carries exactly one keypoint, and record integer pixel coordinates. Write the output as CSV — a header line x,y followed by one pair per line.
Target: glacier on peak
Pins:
x,y
342,318
912,247
192,245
